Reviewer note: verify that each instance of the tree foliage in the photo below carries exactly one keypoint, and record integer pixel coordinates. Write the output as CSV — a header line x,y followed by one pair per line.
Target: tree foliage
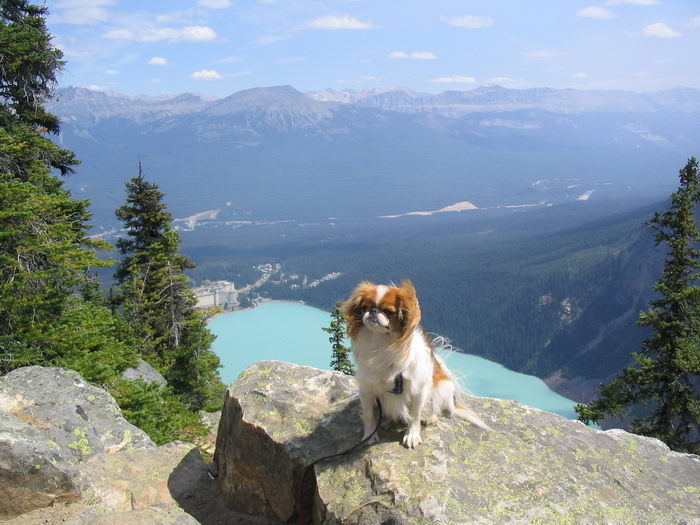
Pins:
x,y
665,378
340,359
52,312
157,300
44,249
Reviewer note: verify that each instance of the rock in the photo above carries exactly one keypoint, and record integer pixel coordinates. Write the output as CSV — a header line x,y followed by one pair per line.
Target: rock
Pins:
x,y
79,514
152,516
81,419
207,442
137,478
33,473
145,372
534,467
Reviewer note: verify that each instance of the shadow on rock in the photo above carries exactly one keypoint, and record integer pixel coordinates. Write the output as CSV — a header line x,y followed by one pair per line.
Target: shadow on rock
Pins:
x,y
195,490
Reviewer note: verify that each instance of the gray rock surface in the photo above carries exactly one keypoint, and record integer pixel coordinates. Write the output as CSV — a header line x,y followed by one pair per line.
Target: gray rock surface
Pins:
x,y
535,467
145,372
81,419
33,473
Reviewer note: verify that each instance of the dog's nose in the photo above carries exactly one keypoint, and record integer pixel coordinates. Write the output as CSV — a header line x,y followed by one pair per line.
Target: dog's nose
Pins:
x,y
374,311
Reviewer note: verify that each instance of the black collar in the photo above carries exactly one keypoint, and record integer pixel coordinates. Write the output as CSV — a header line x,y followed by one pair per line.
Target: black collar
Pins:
x,y
398,385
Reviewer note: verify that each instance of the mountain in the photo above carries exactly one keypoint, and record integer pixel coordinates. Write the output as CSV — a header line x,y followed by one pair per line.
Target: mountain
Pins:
x,y
278,154
87,107
499,99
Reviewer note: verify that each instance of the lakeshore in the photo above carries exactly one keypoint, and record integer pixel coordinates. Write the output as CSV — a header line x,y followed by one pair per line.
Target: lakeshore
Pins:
x,y
291,331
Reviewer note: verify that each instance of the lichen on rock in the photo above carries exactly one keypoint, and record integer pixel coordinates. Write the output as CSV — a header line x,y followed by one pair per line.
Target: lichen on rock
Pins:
x,y
535,467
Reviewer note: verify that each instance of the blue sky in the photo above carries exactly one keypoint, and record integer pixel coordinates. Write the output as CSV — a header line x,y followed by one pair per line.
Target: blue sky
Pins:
x,y
218,47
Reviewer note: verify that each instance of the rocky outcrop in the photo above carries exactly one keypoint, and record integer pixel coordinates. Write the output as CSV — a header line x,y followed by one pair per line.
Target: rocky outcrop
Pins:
x,y
32,471
51,420
145,372
118,476
79,418
534,467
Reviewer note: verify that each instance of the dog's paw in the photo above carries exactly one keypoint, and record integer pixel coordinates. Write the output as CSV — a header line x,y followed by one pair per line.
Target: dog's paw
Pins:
x,y
430,420
412,440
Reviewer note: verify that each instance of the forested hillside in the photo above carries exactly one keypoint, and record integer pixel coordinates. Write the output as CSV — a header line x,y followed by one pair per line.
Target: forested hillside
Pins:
x,y
550,291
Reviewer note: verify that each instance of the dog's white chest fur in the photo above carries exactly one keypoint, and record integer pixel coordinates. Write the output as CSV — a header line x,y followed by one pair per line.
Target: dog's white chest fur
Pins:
x,y
378,365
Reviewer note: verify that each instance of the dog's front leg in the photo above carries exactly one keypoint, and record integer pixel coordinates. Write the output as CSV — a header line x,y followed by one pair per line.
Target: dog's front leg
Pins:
x,y
415,406
368,417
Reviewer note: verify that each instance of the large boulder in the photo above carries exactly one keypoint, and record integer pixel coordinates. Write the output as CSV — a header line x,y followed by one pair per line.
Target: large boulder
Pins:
x,y
533,467
144,372
33,473
81,419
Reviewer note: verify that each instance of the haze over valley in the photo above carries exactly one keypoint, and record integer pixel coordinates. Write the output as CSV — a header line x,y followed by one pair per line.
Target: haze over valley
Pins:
x,y
507,207
276,153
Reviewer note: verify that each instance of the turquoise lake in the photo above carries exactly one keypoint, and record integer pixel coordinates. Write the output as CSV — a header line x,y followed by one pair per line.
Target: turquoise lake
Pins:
x,y
291,332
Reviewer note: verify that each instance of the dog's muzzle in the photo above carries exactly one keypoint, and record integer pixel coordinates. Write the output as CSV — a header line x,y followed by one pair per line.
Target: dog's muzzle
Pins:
x,y
376,319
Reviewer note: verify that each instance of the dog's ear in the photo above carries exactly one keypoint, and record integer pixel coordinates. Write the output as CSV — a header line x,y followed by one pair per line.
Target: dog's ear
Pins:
x,y
352,308
409,310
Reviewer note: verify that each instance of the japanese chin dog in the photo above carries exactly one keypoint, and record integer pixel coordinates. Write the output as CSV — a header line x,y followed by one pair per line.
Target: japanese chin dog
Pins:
x,y
396,361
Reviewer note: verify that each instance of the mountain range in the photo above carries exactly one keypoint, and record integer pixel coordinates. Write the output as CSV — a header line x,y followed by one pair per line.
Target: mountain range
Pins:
x,y
277,153
517,212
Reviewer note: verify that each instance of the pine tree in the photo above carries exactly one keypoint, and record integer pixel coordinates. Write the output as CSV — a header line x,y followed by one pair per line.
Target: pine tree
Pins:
x,y
157,300
44,249
340,359
665,379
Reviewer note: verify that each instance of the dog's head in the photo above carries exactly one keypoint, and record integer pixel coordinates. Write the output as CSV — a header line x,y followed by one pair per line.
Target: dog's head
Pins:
x,y
384,309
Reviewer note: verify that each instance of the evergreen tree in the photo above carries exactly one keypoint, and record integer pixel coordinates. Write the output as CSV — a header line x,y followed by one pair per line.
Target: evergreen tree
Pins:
x,y
665,379
44,249
340,359
157,300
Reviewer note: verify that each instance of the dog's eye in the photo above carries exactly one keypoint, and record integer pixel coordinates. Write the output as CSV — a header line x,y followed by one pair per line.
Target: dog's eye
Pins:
x,y
390,313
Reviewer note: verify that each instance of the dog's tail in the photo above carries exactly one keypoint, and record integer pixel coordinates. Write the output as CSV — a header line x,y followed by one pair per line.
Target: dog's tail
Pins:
x,y
447,392
466,413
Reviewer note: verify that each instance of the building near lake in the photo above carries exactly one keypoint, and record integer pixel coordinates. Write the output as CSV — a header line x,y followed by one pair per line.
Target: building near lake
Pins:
x,y
216,293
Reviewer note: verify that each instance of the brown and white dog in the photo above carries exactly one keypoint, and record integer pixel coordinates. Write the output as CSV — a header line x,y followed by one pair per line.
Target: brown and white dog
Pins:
x,y
396,362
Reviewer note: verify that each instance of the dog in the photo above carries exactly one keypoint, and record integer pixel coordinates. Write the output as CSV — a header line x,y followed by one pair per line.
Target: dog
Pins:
x,y
396,361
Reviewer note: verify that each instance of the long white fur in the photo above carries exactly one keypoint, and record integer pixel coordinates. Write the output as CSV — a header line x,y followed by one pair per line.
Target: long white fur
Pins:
x,y
378,364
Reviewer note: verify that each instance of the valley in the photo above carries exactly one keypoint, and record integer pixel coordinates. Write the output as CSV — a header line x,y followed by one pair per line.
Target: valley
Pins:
x,y
489,200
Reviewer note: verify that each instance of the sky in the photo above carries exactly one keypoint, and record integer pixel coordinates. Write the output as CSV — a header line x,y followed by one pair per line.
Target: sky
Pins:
x,y
218,47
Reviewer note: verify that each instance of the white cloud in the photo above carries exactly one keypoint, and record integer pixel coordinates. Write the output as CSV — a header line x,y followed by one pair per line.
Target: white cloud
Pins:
x,y
694,22
198,33
415,55
228,60
339,22
158,61
540,55
215,4
82,12
470,21
370,78
595,12
96,87
291,60
155,81
83,16
499,81
206,74
111,72
660,30
457,79
579,75
188,33
635,2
